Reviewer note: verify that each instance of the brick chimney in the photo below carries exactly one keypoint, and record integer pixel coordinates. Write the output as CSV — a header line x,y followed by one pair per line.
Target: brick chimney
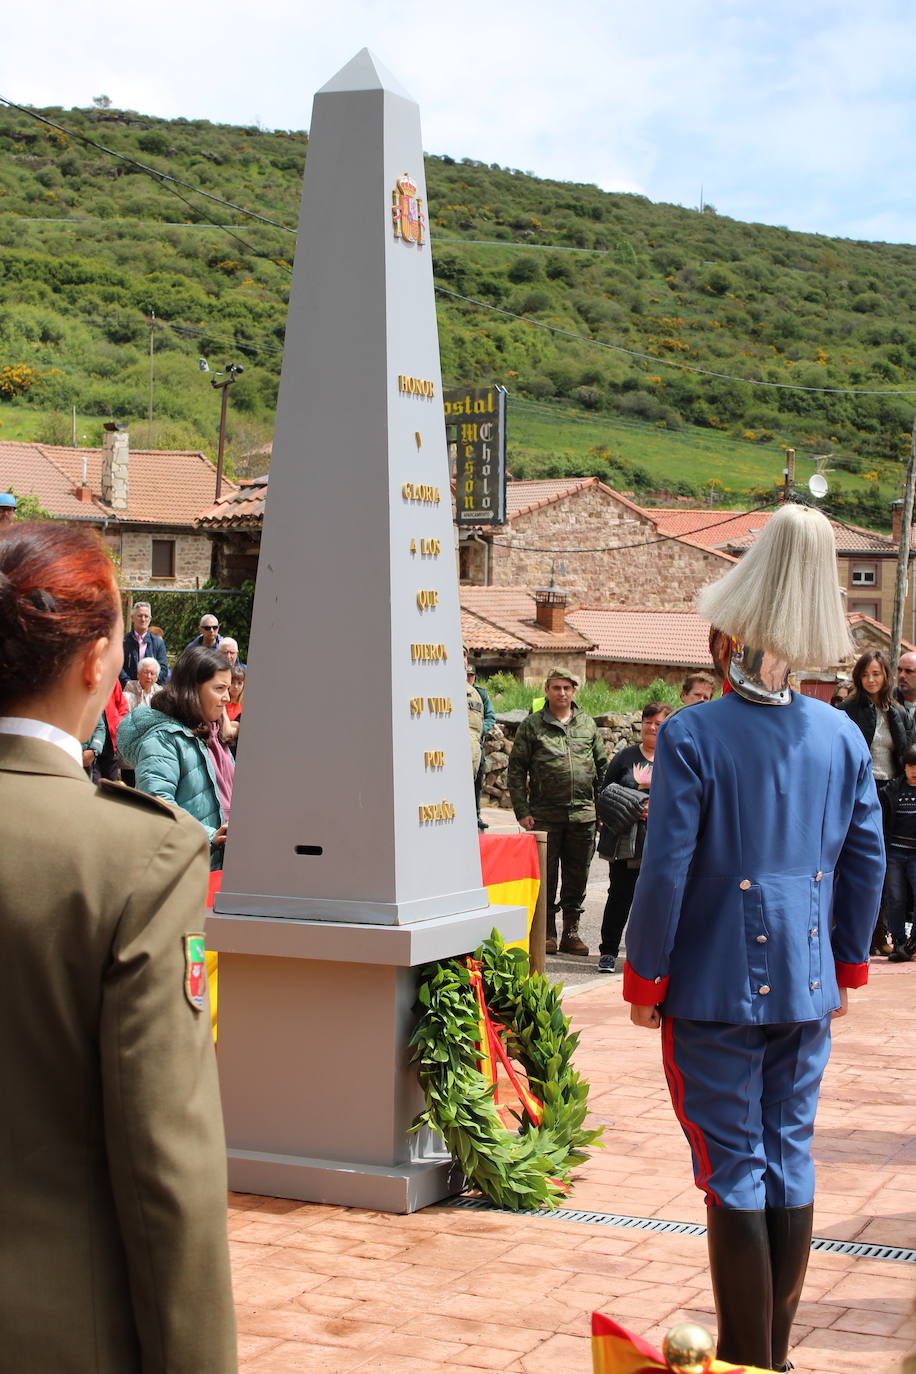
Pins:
x,y
896,521
550,613
115,456
82,491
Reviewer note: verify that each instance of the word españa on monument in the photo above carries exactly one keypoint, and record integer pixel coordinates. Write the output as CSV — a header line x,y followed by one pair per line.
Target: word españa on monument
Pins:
x,y
438,811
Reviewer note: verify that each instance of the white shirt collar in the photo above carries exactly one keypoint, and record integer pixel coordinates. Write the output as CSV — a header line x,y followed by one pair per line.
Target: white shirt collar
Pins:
x,y
42,729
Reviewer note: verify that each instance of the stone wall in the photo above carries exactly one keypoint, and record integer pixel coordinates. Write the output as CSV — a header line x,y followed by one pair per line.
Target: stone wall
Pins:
x,y
617,731
192,559
638,674
654,574
539,663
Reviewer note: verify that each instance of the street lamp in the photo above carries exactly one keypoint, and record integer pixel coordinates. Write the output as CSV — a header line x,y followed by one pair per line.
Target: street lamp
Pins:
x,y
229,376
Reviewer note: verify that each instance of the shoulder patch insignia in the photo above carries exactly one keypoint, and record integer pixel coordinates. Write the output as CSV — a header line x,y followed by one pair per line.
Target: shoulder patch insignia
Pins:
x,y
195,971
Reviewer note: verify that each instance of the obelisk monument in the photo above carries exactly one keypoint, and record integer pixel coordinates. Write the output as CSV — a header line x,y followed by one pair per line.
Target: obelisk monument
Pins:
x,y
352,854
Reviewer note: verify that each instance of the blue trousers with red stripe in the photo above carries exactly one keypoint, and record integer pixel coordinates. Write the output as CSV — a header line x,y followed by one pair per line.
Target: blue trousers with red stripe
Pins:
x,y
746,1098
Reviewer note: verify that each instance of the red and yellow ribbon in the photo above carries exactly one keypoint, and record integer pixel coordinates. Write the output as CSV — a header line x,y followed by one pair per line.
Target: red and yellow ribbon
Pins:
x,y
493,1053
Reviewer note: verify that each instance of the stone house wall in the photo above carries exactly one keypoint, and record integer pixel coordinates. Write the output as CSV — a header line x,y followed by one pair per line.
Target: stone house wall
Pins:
x,y
539,663
638,674
192,559
664,574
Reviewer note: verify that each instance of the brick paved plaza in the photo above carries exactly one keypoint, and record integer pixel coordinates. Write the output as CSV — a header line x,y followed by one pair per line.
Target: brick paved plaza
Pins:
x,y
332,1289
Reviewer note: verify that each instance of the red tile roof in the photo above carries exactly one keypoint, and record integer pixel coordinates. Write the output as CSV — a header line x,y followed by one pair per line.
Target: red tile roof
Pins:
x,y
512,611
167,487
854,618
242,508
679,638
479,636
524,496
708,529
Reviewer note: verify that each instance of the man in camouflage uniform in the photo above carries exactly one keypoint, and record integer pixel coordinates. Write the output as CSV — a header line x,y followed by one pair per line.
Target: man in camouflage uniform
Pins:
x,y
555,770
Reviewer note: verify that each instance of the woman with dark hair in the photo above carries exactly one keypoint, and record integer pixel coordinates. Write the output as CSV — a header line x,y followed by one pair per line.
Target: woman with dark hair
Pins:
x,y
113,1153
898,805
175,746
621,843
885,727
883,723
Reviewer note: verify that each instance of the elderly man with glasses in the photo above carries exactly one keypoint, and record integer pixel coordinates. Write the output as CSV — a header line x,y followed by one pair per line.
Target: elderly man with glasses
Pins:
x,y
140,643
209,637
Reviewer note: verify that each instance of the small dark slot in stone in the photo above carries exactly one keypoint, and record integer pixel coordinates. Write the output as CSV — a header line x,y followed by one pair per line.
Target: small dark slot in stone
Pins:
x,y
309,849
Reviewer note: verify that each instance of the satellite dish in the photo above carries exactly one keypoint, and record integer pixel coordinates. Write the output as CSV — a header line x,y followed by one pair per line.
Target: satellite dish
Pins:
x,y
817,485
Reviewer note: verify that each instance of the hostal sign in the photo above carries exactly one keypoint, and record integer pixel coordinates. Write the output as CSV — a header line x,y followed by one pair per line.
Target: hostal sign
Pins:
x,y
475,419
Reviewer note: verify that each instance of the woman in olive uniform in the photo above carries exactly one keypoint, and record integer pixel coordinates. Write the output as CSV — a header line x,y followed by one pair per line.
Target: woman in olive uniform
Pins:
x,y
113,1253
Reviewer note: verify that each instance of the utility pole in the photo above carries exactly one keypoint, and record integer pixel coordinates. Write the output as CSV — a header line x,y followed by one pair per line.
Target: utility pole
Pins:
x,y
149,409
231,374
903,553
788,476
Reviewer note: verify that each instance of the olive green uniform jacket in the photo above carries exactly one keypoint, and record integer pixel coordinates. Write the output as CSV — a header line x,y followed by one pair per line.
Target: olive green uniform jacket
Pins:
x,y
475,726
113,1252
555,770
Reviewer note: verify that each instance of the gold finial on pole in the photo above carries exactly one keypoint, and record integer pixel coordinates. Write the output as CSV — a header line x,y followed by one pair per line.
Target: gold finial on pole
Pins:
x,y
688,1348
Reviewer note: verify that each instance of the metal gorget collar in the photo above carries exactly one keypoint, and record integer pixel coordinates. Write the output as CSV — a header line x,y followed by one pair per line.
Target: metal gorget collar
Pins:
x,y
758,675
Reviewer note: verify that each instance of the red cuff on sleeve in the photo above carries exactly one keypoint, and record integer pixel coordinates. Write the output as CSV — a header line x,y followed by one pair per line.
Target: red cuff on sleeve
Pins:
x,y
851,975
644,992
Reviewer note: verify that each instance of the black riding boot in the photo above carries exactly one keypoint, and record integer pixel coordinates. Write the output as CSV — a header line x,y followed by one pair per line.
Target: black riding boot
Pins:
x,y
789,1230
742,1284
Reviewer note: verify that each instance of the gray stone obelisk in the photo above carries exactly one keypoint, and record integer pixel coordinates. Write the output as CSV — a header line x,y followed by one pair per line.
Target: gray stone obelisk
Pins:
x,y
352,854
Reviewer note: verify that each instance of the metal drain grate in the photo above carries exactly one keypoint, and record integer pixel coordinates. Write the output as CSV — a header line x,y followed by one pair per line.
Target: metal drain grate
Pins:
x,y
862,1250
859,1249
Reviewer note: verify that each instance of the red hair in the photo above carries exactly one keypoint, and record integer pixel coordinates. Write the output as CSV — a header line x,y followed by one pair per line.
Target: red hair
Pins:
x,y
57,593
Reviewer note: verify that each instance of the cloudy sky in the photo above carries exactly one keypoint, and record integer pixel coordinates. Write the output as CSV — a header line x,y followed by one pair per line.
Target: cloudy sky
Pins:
x,y
795,114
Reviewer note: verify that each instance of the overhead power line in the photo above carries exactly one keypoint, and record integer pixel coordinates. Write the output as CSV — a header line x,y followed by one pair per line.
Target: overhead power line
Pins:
x,y
168,182
144,167
171,184
670,362
641,543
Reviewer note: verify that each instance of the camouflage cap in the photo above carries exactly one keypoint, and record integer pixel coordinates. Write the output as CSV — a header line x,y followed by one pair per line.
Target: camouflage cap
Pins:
x,y
561,672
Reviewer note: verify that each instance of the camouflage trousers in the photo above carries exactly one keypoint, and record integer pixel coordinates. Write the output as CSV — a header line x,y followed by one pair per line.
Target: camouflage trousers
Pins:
x,y
570,846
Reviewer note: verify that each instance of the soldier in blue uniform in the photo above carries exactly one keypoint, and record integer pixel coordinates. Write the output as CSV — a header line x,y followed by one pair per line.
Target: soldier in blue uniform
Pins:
x,y
752,916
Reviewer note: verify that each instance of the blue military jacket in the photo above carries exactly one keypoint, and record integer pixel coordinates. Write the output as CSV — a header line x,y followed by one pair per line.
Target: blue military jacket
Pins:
x,y
764,861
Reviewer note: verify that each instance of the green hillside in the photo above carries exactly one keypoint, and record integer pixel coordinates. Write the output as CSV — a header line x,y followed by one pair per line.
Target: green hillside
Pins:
x,y
101,264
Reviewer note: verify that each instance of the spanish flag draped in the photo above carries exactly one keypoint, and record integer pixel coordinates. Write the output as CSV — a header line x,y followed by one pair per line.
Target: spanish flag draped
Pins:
x,y
509,865
617,1351
216,878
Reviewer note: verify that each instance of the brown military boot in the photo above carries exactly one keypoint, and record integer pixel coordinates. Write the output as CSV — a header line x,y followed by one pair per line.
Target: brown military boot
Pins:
x,y
550,942
569,940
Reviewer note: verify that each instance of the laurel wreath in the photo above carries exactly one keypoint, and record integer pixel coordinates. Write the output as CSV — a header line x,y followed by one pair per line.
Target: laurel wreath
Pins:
x,y
529,1168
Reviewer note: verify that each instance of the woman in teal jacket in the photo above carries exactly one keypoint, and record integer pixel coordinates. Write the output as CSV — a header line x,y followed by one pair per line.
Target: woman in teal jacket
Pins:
x,y
175,744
